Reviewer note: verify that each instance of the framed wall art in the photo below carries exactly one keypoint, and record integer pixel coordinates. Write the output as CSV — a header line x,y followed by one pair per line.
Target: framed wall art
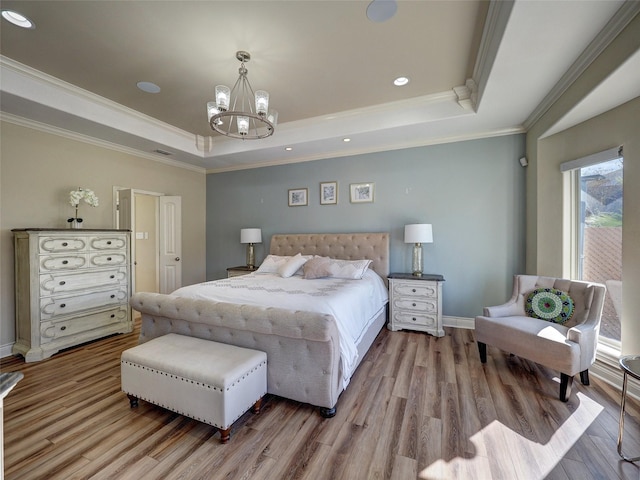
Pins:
x,y
361,192
328,193
298,197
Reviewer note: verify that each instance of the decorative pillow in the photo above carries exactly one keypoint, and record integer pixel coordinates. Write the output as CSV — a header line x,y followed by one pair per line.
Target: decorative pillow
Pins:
x,y
349,269
317,267
549,304
292,265
272,263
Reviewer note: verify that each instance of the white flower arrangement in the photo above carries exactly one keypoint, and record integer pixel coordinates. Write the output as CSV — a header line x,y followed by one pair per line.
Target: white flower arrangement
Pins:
x,y
75,197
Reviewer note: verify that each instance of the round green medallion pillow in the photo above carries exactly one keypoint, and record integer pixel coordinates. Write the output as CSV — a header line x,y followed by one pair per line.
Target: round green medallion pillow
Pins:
x,y
549,304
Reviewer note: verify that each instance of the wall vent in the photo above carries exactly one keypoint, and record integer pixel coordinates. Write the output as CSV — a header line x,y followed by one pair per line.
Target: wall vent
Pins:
x,y
162,152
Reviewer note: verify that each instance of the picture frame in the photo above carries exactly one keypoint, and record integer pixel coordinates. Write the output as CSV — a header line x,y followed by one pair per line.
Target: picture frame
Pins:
x,y
298,197
362,192
328,193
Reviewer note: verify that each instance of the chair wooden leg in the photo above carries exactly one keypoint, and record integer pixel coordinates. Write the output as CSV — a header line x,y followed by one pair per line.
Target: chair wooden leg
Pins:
x,y
565,386
482,348
584,377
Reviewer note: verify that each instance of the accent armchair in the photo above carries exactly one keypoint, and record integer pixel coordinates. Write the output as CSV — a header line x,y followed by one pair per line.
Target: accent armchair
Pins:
x,y
568,347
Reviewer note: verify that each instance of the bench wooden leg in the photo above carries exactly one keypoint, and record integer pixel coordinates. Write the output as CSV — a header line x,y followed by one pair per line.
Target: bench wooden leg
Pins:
x,y
257,406
133,400
225,434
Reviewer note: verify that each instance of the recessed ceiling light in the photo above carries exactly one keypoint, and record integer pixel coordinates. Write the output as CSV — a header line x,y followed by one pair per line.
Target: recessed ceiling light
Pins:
x,y
18,19
401,81
381,10
148,87
288,149
346,139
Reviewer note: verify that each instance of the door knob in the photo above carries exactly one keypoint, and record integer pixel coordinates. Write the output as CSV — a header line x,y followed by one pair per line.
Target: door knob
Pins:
x,y
177,259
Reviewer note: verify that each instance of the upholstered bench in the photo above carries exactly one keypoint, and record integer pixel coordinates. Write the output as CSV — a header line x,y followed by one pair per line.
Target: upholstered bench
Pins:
x,y
211,382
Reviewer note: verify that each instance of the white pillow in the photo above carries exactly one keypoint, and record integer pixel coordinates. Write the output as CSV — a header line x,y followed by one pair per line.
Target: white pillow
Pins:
x,y
287,269
349,269
272,263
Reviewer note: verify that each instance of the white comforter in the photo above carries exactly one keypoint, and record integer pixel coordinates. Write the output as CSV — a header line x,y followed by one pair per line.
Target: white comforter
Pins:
x,y
353,303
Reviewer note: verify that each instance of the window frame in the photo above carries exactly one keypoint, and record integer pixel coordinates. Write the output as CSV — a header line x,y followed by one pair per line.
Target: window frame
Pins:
x,y
571,196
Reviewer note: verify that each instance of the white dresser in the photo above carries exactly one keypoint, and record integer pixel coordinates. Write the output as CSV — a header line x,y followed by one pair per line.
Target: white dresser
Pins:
x,y
416,303
72,286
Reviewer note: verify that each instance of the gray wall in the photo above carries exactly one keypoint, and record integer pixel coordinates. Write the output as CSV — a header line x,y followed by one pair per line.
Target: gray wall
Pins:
x,y
472,192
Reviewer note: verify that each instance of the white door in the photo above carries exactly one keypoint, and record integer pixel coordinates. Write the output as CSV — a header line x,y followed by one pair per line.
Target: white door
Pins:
x,y
126,221
170,243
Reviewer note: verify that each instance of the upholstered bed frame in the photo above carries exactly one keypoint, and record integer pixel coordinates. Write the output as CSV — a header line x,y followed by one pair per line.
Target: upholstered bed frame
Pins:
x,y
303,353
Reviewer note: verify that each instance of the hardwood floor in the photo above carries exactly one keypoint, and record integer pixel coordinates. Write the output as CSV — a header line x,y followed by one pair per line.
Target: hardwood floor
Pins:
x,y
418,407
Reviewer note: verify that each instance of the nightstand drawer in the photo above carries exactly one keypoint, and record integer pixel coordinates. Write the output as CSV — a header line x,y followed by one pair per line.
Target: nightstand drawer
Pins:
x,y
415,304
415,289
408,319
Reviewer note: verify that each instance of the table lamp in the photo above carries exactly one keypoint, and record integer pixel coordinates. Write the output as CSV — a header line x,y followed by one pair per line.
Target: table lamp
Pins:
x,y
418,233
250,236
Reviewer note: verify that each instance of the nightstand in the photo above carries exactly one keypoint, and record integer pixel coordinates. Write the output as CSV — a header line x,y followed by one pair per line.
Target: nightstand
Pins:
x,y
241,270
415,303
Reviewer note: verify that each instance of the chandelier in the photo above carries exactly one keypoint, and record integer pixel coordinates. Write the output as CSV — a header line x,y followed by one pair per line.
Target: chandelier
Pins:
x,y
239,112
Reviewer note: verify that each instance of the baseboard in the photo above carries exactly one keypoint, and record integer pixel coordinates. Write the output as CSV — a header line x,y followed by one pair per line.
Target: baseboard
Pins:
x,y
459,322
607,369
5,350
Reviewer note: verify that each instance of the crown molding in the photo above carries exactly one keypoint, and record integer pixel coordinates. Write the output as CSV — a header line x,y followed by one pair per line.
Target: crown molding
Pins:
x,y
494,27
78,137
623,16
362,151
56,83
467,95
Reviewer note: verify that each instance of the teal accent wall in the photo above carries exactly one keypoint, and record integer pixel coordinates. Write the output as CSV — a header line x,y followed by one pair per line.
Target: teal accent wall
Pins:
x,y
472,192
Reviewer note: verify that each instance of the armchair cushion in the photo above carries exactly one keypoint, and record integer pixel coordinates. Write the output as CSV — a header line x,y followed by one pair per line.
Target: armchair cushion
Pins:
x,y
549,304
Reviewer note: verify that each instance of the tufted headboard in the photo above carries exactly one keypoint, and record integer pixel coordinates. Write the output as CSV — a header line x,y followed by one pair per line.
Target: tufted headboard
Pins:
x,y
344,246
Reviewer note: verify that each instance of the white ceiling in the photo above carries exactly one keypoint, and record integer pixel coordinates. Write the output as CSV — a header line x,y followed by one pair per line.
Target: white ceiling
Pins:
x,y
329,71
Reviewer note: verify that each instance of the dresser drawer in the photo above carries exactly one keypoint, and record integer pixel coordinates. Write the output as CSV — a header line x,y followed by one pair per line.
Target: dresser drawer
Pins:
x,y
415,289
104,259
415,304
57,306
60,244
116,242
62,282
55,329
407,319
53,263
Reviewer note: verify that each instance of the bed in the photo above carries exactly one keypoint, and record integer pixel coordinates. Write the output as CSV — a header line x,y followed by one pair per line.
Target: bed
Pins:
x,y
309,359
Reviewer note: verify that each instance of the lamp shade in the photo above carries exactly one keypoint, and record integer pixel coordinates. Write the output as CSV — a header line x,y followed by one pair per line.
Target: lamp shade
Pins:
x,y
418,233
250,235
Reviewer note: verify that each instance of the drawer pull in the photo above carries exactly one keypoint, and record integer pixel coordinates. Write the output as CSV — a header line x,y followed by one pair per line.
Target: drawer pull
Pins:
x,y
414,319
62,282
64,262
112,276
108,259
63,327
62,305
113,315
113,296
64,244
413,304
108,242
413,290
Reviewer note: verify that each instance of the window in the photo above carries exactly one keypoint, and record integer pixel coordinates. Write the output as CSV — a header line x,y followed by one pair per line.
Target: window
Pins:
x,y
595,193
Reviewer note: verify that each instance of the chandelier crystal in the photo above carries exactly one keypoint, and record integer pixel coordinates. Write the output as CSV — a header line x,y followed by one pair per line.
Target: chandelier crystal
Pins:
x,y
239,112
